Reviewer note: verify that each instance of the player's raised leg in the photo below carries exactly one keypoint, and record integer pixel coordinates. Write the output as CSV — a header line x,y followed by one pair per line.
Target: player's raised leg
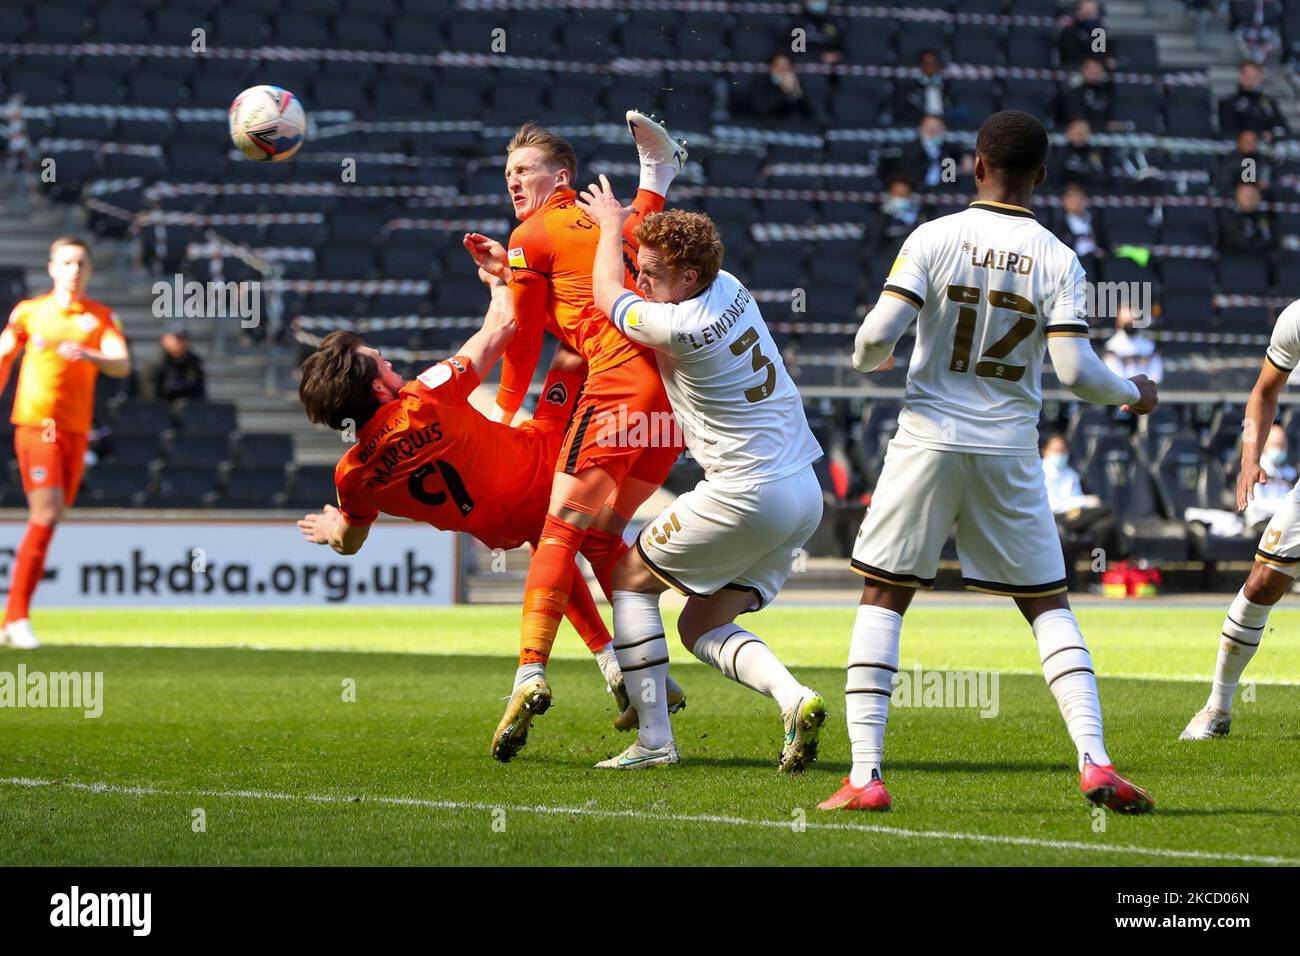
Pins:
x,y
661,157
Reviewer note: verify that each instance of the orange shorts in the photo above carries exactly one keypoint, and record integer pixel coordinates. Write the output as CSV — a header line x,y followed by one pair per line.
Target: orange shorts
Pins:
x,y
50,464
623,424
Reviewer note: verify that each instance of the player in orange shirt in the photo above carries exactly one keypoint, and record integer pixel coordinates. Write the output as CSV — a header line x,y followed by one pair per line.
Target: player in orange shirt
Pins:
x,y
423,452
601,478
67,340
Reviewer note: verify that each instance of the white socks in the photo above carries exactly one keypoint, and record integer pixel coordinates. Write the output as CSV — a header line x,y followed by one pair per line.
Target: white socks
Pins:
x,y
1242,630
742,657
527,672
643,656
1067,668
657,177
873,662
607,661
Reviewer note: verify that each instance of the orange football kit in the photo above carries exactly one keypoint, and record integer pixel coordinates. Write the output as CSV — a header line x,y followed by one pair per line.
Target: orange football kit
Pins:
x,y
430,456
53,408
551,254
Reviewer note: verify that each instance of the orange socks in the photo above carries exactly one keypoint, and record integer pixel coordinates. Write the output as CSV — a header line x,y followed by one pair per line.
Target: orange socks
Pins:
x,y
546,589
584,616
604,551
29,568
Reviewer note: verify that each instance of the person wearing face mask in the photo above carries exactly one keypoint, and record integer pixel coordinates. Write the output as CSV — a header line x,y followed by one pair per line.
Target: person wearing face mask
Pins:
x,y
1083,521
1078,34
1281,476
777,95
925,95
1130,351
1081,228
900,213
824,37
931,160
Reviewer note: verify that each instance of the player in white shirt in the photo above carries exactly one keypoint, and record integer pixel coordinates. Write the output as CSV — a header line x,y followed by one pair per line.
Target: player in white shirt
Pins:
x,y
729,543
989,287
1277,559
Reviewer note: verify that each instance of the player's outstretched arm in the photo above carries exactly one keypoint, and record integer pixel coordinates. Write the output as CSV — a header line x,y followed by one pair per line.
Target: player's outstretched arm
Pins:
x,y
884,325
485,346
328,527
600,203
1081,371
1261,409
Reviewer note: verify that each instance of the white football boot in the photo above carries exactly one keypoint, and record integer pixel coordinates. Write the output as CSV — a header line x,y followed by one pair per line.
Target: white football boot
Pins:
x,y
19,635
653,144
637,757
1209,722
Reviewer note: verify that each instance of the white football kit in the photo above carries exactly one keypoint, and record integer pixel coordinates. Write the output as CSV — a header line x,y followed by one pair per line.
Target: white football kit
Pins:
x,y
1279,546
991,285
743,420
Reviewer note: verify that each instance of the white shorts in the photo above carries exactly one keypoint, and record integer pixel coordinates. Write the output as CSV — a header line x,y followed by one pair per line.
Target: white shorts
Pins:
x,y
1279,546
740,537
1006,536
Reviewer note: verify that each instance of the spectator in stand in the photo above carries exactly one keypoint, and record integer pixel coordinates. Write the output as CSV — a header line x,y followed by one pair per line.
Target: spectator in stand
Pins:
x,y
1080,161
825,36
924,96
1247,163
777,94
1081,228
1257,27
1090,94
1250,107
178,373
1082,520
1078,37
932,161
1130,351
1246,228
900,213
1281,476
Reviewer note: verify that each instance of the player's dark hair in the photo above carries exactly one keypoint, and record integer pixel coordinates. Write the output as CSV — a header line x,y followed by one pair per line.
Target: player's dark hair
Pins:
x,y
1013,145
556,149
337,382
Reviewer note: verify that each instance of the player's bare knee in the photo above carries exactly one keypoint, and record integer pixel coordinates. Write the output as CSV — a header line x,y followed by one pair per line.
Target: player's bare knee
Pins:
x,y
1265,585
631,574
1031,607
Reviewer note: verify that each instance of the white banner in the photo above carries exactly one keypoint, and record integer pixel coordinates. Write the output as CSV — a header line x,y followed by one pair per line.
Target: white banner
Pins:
x,y
234,563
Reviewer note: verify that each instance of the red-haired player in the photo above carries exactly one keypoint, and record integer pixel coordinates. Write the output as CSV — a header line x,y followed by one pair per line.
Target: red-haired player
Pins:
x,y
67,340
600,479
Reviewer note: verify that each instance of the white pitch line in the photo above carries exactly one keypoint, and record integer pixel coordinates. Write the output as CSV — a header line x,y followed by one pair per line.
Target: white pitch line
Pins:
x,y
543,810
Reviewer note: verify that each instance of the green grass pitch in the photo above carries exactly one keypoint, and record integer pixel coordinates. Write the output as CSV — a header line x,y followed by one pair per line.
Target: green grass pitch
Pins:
x,y
241,715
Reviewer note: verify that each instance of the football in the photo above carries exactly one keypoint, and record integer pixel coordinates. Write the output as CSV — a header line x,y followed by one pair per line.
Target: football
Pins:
x,y
267,123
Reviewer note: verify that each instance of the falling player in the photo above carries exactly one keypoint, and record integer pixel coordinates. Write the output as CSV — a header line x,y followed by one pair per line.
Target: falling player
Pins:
x,y
1277,559
729,543
988,287
598,483
423,452
67,340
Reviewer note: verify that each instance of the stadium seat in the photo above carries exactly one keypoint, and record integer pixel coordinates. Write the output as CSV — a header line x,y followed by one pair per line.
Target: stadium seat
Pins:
x,y
915,37
1187,111
143,418
1243,275
1223,438
253,486
1030,48
1137,53
1139,105
194,417
1033,96
649,35
313,486
871,40
589,36
978,99
110,485
1246,320
755,36
1189,226
979,45
264,449
139,449
857,102
182,486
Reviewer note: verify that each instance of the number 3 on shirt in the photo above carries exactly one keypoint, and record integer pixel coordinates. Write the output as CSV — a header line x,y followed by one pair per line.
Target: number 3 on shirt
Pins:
x,y
761,363
968,296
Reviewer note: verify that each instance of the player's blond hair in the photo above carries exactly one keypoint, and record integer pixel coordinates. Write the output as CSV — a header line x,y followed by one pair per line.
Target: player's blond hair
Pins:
x,y
62,241
556,150
686,240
